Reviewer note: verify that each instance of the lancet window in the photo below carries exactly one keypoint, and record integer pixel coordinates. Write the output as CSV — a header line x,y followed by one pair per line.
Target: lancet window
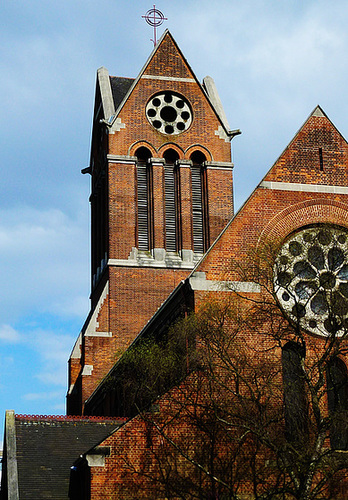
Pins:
x,y
172,201
145,199
200,217
337,391
295,400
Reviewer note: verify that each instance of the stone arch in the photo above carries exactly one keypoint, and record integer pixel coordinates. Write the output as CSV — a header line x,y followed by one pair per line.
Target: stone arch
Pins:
x,y
138,144
198,147
303,214
171,145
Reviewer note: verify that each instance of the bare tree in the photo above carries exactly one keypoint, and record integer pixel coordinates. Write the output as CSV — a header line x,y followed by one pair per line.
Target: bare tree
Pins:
x,y
262,411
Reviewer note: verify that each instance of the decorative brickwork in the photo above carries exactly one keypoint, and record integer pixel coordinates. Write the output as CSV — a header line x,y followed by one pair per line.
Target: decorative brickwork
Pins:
x,y
325,210
150,221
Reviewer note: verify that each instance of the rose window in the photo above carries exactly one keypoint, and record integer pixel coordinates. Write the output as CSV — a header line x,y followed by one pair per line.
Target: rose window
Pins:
x,y
169,113
311,279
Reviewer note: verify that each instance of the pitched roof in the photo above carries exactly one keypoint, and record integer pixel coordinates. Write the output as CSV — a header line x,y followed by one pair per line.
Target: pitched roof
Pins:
x,y
46,448
172,65
119,88
323,133
301,161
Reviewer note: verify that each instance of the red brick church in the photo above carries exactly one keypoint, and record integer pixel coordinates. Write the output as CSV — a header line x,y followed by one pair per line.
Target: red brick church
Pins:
x,y
165,241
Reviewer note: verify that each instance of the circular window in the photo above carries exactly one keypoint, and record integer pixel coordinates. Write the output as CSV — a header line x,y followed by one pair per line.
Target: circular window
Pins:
x,y
311,279
169,113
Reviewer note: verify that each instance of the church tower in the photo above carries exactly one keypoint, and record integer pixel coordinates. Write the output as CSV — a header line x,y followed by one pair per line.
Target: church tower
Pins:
x,y
161,192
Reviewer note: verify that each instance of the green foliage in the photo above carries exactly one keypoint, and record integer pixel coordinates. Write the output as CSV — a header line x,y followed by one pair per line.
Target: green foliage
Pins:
x,y
152,366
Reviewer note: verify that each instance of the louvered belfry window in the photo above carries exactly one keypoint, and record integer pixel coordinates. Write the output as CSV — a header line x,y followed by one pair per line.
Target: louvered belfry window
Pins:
x,y
145,199
172,201
200,222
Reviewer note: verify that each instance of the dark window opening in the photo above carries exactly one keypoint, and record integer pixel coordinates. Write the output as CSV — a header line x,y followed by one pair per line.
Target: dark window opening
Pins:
x,y
100,235
200,217
337,395
321,162
145,199
172,201
295,399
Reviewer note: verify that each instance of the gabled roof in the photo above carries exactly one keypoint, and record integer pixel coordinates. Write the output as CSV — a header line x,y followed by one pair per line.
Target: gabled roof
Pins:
x,y
303,152
301,155
119,89
46,448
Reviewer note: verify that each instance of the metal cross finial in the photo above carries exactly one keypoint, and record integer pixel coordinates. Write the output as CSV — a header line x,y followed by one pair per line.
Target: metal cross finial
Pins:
x,y
155,18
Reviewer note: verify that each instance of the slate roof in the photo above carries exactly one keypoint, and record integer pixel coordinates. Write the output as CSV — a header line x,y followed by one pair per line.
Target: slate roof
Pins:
x,y
48,446
119,88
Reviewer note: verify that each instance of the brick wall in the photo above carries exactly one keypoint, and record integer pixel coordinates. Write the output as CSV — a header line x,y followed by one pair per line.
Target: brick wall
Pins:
x,y
136,292
134,297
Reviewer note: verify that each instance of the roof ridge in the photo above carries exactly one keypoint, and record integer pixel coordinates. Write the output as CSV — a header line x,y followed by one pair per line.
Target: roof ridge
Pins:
x,y
122,77
69,418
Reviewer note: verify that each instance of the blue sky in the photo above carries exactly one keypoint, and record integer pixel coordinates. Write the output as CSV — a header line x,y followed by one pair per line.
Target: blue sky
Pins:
x,y
273,61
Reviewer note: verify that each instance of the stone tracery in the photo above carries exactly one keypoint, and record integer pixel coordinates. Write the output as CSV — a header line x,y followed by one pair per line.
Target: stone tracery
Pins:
x,y
311,279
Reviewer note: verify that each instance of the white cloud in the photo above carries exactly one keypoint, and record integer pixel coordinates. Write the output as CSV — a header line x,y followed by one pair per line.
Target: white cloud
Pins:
x,y
9,334
61,408
41,396
54,349
297,55
54,375
44,263
42,354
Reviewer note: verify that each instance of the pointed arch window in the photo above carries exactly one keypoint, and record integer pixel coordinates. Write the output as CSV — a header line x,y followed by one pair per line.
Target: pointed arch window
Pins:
x,y
337,395
200,217
145,199
295,399
172,201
